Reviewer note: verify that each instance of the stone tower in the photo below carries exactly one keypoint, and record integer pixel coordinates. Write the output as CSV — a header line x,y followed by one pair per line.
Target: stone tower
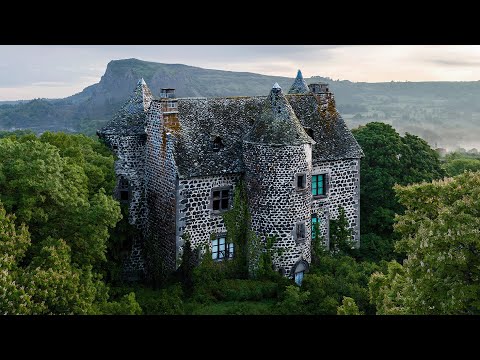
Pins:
x,y
277,154
125,135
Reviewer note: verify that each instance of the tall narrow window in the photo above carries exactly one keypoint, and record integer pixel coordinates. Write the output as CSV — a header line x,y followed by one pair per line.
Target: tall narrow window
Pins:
x,y
220,199
221,250
301,181
300,232
315,224
319,185
124,190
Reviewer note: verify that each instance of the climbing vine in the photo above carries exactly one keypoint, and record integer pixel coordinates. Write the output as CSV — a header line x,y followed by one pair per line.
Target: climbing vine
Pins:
x,y
253,258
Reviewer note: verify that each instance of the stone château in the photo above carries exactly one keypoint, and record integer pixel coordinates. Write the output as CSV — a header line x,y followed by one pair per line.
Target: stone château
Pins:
x,y
179,160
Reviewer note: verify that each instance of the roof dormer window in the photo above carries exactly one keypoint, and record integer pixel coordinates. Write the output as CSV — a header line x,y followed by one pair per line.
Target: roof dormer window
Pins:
x,y
217,144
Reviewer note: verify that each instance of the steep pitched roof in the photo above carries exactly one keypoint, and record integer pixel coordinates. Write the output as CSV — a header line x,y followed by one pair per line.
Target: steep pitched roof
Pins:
x,y
130,119
202,120
334,141
277,123
299,86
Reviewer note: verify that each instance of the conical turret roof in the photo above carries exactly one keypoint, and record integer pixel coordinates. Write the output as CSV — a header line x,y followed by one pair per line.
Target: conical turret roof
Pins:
x,y
130,119
277,123
299,86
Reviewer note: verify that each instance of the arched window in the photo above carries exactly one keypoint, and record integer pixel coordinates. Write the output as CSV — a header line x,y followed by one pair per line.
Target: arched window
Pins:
x,y
217,144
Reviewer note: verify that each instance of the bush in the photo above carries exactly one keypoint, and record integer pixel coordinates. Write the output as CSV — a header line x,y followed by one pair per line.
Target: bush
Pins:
x,y
166,301
243,290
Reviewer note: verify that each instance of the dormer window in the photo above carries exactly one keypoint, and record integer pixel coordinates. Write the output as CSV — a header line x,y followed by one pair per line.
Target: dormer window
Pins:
x,y
309,132
217,144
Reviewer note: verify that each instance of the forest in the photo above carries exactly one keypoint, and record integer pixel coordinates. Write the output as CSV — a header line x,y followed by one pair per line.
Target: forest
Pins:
x,y
63,238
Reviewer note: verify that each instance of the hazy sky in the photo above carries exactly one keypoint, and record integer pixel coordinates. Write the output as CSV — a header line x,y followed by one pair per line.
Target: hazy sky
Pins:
x,y
50,71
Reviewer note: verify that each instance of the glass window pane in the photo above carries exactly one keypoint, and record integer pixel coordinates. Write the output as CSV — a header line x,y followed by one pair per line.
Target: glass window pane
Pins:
x,y
314,191
320,191
216,204
214,255
225,193
314,185
214,242
221,241
224,203
216,194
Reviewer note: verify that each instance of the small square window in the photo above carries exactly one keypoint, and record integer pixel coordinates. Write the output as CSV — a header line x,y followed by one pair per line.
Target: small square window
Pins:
x,y
301,181
221,249
220,199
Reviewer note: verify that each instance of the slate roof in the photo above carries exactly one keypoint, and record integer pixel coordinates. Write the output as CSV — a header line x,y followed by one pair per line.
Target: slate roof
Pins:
x,y
232,119
277,123
130,119
276,119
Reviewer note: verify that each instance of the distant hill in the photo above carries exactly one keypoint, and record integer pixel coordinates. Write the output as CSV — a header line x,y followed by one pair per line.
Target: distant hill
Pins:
x,y
444,113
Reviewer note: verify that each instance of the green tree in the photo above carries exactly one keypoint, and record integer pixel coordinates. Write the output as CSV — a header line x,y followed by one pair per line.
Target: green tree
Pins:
x,y
348,307
389,159
187,265
439,234
458,166
51,194
48,282
293,301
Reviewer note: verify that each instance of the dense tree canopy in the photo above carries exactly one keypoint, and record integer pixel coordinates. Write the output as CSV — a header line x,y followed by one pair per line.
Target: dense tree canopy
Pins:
x,y
55,217
57,185
389,159
456,163
440,235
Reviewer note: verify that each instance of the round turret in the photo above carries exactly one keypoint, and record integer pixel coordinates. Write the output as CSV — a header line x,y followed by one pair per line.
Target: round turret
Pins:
x,y
277,155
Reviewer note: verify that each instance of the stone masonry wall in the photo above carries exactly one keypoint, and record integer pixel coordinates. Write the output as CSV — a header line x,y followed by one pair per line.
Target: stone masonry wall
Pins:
x,y
195,215
276,206
160,186
130,151
343,189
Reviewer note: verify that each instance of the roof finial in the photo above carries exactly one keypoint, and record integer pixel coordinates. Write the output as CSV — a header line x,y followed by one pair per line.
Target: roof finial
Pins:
x,y
276,86
141,82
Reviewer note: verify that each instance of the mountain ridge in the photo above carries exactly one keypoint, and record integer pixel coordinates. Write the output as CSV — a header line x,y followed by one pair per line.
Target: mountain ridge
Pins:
x,y
418,107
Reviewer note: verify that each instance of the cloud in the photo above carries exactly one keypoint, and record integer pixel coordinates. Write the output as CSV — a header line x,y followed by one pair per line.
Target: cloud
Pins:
x,y
450,62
